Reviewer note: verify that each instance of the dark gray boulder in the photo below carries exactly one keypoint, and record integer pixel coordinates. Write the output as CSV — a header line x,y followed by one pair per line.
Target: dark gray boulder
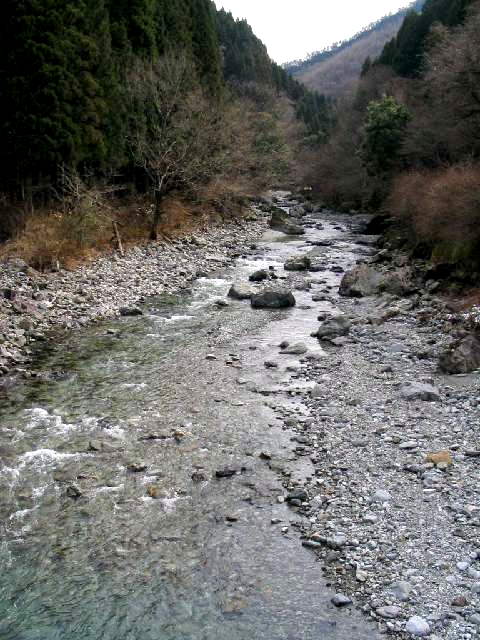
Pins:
x,y
131,311
334,328
462,357
259,276
365,281
297,263
273,299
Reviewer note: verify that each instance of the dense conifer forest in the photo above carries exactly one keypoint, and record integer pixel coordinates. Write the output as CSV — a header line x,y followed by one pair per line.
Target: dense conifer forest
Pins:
x,y
124,92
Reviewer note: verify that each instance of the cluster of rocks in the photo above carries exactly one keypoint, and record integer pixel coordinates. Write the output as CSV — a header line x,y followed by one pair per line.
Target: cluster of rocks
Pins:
x,y
34,304
392,503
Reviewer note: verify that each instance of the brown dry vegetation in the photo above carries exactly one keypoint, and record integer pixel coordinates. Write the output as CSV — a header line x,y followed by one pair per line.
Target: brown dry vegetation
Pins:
x,y
53,237
260,148
442,206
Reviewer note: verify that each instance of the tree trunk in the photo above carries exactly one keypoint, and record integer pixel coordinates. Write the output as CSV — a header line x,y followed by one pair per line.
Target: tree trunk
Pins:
x,y
157,214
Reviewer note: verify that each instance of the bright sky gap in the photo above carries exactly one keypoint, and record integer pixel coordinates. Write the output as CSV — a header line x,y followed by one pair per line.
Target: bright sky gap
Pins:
x,y
292,30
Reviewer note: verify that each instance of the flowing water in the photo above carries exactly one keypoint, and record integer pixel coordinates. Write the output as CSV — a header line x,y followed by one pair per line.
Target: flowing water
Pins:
x,y
164,550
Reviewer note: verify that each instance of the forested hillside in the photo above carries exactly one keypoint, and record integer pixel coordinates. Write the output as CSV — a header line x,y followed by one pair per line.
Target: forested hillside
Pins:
x,y
335,71
137,96
408,144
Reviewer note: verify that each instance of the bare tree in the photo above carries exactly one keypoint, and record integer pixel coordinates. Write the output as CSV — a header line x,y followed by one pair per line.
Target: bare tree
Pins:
x,y
176,134
453,82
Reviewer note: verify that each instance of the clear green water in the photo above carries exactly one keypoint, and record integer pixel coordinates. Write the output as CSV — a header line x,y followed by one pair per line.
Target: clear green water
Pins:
x,y
117,564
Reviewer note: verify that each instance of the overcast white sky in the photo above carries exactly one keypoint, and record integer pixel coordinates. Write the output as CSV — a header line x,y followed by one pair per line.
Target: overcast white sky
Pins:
x,y
291,29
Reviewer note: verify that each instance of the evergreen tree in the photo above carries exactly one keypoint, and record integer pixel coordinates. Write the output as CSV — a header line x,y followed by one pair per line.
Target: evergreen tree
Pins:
x,y
51,101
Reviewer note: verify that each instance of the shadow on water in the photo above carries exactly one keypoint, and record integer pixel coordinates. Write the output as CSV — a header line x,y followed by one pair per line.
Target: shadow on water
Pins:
x,y
114,524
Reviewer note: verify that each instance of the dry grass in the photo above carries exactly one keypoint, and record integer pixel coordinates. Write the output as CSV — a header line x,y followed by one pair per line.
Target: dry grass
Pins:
x,y
443,208
55,237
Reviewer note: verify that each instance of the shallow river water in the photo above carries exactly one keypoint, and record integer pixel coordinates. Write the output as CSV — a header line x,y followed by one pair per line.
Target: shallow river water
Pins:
x,y
164,550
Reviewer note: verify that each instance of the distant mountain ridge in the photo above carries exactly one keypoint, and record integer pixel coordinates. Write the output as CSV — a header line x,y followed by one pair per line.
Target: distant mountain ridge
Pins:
x,y
335,70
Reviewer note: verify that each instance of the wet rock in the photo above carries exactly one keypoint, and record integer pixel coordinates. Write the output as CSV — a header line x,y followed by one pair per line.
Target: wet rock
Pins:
x,y
73,491
273,299
226,473
417,627
341,600
334,327
280,221
270,364
462,357
137,467
9,294
297,212
259,276
420,391
297,263
299,348
299,494
240,291
130,311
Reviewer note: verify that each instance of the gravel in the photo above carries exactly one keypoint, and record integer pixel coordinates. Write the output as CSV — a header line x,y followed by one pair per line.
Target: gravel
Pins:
x,y
34,305
393,507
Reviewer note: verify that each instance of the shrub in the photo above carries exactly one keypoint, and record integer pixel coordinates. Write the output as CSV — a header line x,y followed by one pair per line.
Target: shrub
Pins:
x,y
443,208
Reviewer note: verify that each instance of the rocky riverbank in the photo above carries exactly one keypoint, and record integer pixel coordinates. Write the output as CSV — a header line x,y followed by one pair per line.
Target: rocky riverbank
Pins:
x,y
392,505
34,304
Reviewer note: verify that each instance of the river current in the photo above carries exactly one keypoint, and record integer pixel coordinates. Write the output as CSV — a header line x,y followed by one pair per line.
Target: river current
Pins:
x,y
114,525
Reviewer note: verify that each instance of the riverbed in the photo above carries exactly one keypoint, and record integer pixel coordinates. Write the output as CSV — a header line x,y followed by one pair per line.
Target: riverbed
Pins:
x,y
138,500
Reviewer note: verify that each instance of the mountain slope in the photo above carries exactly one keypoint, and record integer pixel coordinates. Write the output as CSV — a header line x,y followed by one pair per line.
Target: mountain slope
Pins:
x,y
335,71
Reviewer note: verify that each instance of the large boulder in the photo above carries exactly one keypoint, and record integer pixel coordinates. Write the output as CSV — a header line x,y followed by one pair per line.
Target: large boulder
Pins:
x,y
240,291
462,357
297,211
297,263
273,299
281,221
259,276
334,328
420,391
359,282
365,281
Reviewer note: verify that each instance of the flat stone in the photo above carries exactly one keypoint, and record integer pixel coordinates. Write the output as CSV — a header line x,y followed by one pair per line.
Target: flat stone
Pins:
x,y
240,291
417,627
420,391
440,458
299,348
381,496
389,612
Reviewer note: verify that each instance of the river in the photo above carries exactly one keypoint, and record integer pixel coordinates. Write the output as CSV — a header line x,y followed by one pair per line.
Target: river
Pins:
x,y
114,524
